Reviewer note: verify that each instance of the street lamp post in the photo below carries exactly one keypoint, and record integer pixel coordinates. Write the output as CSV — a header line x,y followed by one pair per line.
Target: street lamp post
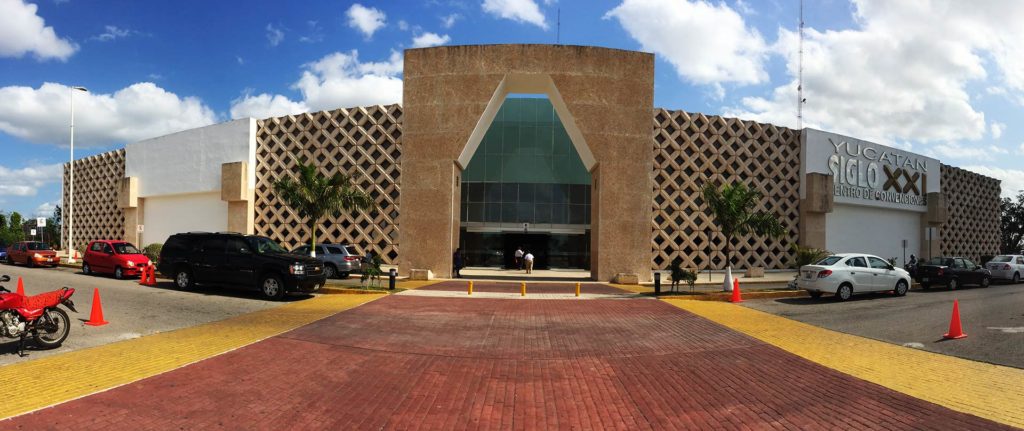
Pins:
x,y
71,181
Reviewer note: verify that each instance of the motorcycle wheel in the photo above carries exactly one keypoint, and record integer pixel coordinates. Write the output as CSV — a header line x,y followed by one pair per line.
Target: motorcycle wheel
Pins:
x,y
50,334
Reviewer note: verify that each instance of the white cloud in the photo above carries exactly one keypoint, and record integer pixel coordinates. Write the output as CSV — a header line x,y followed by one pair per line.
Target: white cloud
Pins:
x,y
27,181
365,19
274,35
997,129
896,76
448,21
745,8
45,209
525,11
22,31
133,113
1020,149
403,25
338,80
240,60
1013,179
706,43
430,39
110,33
265,106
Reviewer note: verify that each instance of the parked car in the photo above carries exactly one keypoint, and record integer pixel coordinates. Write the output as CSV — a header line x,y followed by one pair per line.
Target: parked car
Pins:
x,y
238,260
1007,267
32,253
848,273
339,260
952,272
3,253
113,257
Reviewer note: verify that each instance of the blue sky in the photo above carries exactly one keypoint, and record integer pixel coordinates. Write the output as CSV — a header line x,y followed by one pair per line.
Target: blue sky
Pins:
x,y
936,77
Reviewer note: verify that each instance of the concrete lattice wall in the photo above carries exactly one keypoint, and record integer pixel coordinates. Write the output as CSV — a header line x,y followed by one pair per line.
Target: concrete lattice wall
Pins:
x,y
972,229
691,149
97,184
364,143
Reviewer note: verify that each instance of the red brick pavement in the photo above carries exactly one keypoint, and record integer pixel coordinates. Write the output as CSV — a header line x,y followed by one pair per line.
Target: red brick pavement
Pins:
x,y
513,287
406,362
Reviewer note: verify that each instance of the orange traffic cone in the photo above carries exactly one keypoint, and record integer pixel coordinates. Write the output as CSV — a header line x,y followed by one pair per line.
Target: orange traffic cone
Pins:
x,y
96,317
142,276
736,291
152,275
21,287
955,331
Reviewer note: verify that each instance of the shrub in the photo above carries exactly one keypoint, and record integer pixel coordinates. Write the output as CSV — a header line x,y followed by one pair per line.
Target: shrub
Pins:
x,y
688,277
808,255
152,251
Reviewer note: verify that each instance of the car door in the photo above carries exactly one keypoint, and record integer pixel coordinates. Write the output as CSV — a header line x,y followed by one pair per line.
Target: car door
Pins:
x,y
963,275
1020,266
863,276
211,260
240,266
885,278
977,274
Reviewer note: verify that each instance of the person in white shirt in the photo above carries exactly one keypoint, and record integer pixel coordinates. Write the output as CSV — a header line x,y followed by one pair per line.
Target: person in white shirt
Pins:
x,y
519,257
529,262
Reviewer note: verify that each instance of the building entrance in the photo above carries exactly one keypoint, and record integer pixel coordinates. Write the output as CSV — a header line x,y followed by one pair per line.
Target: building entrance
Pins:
x,y
535,243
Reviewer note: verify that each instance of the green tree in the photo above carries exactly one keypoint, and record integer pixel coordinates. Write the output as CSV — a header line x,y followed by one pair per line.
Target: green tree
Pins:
x,y
1012,224
734,209
314,196
15,229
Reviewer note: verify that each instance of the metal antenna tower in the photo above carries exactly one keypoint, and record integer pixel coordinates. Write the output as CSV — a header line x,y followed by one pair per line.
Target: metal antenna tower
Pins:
x,y
800,74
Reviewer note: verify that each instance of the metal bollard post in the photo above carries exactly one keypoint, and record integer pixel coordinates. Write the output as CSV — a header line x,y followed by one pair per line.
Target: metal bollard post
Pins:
x,y
577,290
391,278
522,289
657,283
470,287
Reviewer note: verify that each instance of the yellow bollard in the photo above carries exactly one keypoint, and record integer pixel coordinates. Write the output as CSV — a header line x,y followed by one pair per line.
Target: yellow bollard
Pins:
x,y
470,287
577,289
522,289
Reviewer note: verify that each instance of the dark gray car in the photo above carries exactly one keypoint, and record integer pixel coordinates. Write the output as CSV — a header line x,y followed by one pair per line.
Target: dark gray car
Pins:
x,y
339,260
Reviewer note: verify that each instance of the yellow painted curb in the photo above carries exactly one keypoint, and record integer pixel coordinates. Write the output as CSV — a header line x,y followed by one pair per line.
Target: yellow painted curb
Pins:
x,y
989,391
52,380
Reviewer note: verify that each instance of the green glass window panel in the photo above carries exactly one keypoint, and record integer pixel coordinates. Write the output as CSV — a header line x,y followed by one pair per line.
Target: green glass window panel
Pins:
x,y
509,139
492,168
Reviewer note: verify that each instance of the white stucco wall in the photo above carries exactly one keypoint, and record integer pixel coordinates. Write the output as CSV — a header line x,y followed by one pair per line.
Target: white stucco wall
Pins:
x,y
190,161
877,231
168,215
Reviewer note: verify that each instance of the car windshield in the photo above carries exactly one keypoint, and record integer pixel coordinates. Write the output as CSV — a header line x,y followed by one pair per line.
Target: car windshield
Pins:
x,y
38,246
352,250
1002,259
829,261
940,261
125,248
264,245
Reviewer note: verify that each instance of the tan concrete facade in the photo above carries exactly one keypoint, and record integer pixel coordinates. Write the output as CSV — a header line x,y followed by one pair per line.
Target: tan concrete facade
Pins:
x,y
608,94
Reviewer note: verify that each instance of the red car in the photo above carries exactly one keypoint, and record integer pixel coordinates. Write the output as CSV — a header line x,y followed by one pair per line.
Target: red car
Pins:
x,y
32,253
113,257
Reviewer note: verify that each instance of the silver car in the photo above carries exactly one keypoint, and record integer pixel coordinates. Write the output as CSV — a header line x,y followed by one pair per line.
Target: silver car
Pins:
x,y
339,260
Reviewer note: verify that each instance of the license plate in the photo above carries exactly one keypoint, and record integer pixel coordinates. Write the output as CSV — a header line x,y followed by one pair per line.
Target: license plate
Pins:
x,y
49,260
924,280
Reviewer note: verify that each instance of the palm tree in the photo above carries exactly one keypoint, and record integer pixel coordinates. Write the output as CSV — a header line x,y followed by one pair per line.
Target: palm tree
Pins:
x,y
734,208
314,196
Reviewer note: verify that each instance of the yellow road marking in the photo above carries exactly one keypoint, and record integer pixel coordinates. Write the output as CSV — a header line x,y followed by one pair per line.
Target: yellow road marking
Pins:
x,y
989,391
56,379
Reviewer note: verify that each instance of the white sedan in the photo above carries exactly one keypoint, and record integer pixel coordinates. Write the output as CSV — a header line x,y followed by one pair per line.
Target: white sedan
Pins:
x,y
1007,267
848,273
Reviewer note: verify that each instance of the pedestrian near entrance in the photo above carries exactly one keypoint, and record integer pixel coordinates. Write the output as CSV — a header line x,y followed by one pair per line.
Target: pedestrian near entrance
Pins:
x,y
457,262
528,258
519,257
677,272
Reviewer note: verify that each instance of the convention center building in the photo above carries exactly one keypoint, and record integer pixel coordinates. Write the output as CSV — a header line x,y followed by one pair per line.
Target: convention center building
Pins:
x,y
557,149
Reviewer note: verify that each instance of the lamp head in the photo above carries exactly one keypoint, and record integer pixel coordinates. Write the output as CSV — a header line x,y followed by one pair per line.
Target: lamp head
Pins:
x,y
80,89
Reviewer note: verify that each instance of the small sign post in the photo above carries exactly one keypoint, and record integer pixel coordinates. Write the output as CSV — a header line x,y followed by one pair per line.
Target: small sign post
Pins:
x,y
33,231
40,221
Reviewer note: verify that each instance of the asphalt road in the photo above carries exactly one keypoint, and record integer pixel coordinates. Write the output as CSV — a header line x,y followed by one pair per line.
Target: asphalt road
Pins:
x,y
131,309
992,318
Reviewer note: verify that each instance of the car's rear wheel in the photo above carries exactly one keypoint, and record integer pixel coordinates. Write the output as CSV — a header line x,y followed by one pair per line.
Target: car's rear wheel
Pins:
x,y
953,284
118,273
1016,278
330,271
901,288
845,292
86,269
183,279
815,295
985,281
272,288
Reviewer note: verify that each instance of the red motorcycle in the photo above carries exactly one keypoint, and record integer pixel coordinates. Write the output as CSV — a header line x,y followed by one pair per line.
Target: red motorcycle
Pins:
x,y
36,316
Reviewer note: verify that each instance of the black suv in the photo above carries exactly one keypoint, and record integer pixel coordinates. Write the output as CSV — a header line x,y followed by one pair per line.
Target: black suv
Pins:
x,y
240,260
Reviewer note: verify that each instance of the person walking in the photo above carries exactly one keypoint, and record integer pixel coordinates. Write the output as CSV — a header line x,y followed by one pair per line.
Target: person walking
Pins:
x,y
519,258
457,262
677,272
528,259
